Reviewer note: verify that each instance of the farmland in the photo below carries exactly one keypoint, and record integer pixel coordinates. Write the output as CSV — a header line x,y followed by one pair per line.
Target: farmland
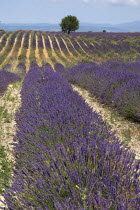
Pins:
x,y
40,47
70,106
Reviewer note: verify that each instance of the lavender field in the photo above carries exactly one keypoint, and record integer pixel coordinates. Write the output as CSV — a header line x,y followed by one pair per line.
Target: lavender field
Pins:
x,y
55,47
57,152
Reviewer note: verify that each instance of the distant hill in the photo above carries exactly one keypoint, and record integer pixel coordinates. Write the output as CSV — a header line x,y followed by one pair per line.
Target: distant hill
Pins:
x,y
124,27
84,27
132,26
29,26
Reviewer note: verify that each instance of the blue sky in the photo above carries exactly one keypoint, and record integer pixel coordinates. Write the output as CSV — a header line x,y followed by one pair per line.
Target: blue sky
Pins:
x,y
52,11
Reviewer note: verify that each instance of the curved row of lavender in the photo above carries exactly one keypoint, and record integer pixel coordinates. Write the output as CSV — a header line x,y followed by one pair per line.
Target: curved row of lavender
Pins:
x,y
128,67
3,42
119,42
118,46
105,45
7,78
26,40
2,33
21,68
66,156
9,46
114,83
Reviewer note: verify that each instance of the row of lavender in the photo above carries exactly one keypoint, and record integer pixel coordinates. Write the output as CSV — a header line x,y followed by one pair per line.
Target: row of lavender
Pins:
x,y
66,156
119,43
7,76
114,83
7,48
103,42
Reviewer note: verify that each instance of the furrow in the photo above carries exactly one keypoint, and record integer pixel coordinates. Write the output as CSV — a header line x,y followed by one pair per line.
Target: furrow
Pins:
x,y
67,47
73,46
6,44
9,55
119,125
46,53
19,51
53,52
1,38
81,47
37,55
28,54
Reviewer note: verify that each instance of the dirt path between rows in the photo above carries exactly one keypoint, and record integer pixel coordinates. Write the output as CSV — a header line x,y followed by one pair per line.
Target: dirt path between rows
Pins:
x,y
1,38
28,54
71,55
10,53
81,47
44,49
60,49
10,101
125,130
84,43
19,52
37,55
7,41
21,46
73,46
53,51
45,52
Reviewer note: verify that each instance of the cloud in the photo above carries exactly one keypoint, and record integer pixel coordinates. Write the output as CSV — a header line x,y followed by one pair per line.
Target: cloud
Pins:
x,y
116,2
123,2
56,0
86,1
113,2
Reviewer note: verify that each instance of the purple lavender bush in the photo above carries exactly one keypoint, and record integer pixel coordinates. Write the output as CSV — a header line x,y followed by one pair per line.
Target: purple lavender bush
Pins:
x,y
40,42
7,67
7,78
4,40
26,40
113,86
127,99
133,67
66,156
22,69
9,46
83,174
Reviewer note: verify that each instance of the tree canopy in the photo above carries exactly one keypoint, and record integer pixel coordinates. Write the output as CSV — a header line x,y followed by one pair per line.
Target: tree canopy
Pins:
x,y
69,23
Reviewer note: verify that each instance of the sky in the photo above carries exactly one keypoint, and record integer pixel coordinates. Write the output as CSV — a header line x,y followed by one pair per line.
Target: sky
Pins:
x,y
52,11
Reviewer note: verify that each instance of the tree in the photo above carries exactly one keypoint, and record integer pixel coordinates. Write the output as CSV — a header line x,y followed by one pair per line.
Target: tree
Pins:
x,y
69,23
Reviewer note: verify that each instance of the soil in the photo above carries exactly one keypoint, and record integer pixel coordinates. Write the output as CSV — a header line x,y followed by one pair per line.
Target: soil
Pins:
x,y
37,55
28,53
8,129
10,53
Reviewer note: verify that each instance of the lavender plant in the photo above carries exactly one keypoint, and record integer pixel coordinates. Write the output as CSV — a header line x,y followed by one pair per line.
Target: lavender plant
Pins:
x,y
26,40
8,48
66,156
22,69
40,42
7,78
4,40
84,174
113,85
